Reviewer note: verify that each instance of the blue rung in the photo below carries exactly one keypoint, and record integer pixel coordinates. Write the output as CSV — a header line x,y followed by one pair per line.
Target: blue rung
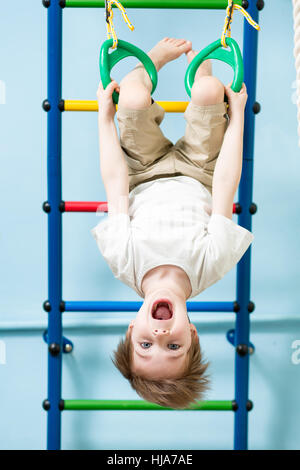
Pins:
x,y
117,306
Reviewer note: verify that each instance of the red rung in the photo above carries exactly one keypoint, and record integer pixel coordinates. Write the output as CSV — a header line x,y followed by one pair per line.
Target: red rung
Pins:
x,y
79,206
101,206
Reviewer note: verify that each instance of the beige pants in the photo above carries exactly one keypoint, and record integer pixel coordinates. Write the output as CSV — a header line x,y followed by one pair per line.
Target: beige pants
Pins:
x,y
150,155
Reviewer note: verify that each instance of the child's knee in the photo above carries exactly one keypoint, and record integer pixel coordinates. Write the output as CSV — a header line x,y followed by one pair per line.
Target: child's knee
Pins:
x,y
207,90
134,95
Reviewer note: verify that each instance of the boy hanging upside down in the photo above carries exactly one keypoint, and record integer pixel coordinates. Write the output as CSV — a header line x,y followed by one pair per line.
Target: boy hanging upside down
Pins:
x,y
169,233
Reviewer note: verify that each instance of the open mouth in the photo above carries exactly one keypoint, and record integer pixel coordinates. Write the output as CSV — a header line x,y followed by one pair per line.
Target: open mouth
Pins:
x,y
162,310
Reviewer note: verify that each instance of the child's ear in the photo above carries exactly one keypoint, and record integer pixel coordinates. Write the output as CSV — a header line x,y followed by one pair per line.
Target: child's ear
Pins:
x,y
194,331
130,326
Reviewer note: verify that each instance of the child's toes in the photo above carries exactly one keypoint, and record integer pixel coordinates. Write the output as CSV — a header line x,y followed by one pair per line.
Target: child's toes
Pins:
x,y
186,46
191,54
180,42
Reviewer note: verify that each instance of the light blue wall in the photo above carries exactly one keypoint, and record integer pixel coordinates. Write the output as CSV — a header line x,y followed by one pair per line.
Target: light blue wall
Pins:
x,y
88,372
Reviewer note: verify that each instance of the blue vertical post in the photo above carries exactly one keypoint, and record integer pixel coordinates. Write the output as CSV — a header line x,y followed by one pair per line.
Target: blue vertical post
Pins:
x,y
242,330
54,220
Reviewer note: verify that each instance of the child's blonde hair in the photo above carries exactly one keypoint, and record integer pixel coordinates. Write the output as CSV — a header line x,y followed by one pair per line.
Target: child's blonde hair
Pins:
x,y
175,393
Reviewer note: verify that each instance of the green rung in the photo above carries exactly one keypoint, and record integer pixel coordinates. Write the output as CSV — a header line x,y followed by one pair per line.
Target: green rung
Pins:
x,y
216,405
204,4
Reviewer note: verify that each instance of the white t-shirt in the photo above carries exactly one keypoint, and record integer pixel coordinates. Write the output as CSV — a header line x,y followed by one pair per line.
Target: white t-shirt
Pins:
x,y
170,222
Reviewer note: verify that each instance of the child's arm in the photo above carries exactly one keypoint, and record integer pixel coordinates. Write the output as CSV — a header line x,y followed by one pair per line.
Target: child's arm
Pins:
x,y
228,168
114,170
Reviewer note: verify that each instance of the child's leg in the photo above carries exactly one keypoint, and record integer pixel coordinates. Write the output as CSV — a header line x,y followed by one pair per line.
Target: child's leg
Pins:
x,y
206,116
207,91
139,117
135,89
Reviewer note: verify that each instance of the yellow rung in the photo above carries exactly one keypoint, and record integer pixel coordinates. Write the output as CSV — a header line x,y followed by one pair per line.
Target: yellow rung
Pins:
x,y
173,106
80,105
92,105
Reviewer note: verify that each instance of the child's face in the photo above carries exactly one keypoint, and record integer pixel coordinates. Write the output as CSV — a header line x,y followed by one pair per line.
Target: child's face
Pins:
x,y
160,346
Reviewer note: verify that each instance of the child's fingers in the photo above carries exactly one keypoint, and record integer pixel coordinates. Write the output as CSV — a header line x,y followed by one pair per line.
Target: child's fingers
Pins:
x,y
111,87
108,91
228,90
243,89
117,87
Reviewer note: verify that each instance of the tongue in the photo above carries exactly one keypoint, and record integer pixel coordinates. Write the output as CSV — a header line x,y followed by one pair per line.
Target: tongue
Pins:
x,y
162,313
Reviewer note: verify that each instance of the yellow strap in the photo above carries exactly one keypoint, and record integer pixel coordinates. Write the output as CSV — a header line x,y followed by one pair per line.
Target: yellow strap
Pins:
x,y
110,30
228,20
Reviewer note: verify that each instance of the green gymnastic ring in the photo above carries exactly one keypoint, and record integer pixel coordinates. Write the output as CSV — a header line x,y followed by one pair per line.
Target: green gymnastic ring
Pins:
x,y
233,57
124,49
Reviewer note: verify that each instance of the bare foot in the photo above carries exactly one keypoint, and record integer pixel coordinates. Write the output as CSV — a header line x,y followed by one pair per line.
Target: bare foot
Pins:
x,y
168,49
204,69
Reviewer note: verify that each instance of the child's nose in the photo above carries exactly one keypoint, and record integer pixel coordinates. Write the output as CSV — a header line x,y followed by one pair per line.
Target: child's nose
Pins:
x,y
160,332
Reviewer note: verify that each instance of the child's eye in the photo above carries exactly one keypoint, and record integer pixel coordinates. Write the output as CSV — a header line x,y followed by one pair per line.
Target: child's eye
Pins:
x,y
173,346
146,345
